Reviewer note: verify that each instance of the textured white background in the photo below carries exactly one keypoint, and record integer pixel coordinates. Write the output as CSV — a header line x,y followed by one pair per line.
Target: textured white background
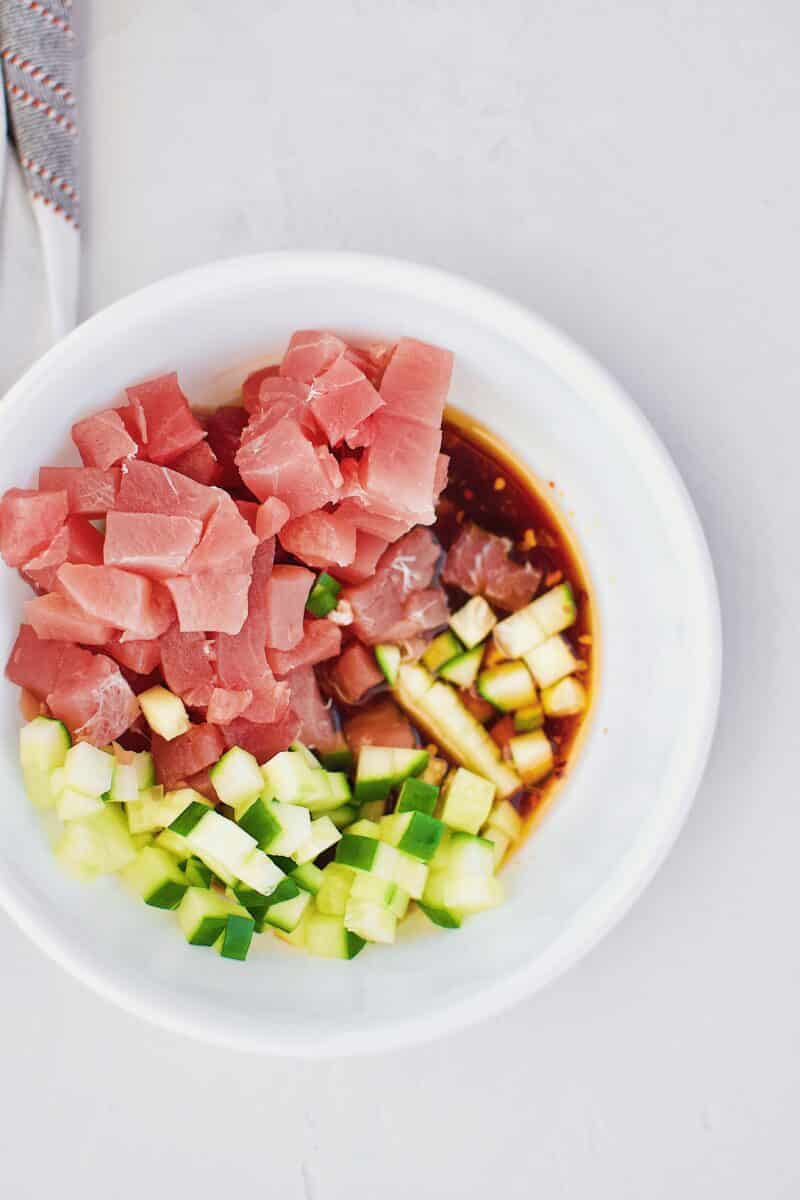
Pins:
x,y
629,169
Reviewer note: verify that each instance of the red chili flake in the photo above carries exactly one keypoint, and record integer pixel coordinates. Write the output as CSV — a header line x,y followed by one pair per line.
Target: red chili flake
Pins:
x,y
553,578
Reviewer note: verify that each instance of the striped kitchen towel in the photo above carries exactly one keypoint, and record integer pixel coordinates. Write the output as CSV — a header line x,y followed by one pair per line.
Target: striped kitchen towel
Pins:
x,y
37,59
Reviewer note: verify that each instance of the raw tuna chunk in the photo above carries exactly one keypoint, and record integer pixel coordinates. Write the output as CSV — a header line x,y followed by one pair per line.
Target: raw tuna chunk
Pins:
x,y
94,701
152,545
271,516
215,601
147,488
227,543
368,550
321,539
133,418
241,659
226,705
249,510
36,664
285,604
416,382
372,359
142,656
342,397
261,740
399,468
184,756
381,724
440,475
188,662
279,398
270,700
252,386
310,352
355,673
478,562
279,460
119,598
201,782
200,463
77,542
28,523
316,723
366,520
321,640
383,604
103,440
224,431
422,611
60,619
90,491
171,427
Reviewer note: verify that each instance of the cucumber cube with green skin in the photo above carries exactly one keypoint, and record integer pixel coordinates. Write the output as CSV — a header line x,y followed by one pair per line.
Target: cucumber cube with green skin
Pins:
x,y
215,837
415,833
259,872
164,712
145,769
42,787
340,789
310,758
443,649
520,632
442,917
190,816
380,891
157,878
388,658
72,804
556,610
463,670
258,905
175,845
373,922
532,755
291,781
293,828
344,816
366,828
461,896
467,854
326,937
337,883
410,874
156,809
237,777
474,622
551,661
97,845
467,800
508,686
308,877
259,822
323,835
284,863
340,759
43,744
125,784
506,819
380,768
196,872
324,595
287,914
202,915
567,698
417,796
88,770
529,718
236,937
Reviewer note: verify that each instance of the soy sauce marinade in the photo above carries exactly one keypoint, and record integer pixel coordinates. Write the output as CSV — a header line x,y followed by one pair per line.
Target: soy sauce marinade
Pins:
x,y
486,485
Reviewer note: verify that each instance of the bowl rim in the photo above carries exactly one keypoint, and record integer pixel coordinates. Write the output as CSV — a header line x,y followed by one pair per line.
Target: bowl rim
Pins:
x,y
636,870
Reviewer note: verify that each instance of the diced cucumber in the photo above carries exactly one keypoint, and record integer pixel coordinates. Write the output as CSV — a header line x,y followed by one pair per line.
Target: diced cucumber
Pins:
x,y
532,755
339,759
365,828
277,828
508,686
566,698
190,816
222,841
324,595
382,768
415,833
203,914
520,632
236,938
326,937
410,874
156,810
442,917
323,835
287,914
442,650
145,769
370,921
380,891
306,754
97,845
367,854
500,843
372,810
259,872
43,744
417,796
42,787
464,894
435,771
71,804
466,854
157,878
124,784
340,789
237,777
308,877
336,885
551,661
463,670
196,872
140,840
88,770
388,659
344,816
298,935
164,712
259,905
175,844
291,780
466,800
529,718
437,708
505,818
474,622
556,610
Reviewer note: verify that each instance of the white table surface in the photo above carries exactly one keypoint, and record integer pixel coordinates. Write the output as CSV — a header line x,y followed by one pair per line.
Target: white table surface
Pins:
x,y
629,170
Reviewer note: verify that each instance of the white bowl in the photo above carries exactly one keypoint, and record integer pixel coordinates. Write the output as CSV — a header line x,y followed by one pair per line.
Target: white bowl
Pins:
x,y
655,707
